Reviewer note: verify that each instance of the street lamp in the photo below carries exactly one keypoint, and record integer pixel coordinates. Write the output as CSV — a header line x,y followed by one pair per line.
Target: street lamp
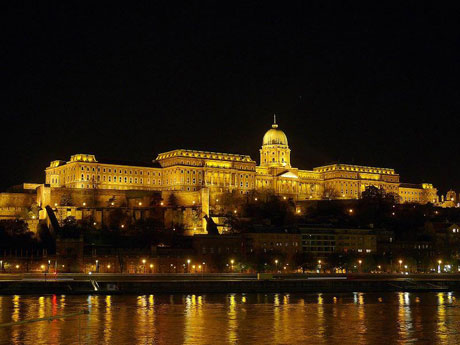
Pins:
x,y
151,268
188,265
400,263
276,263
143,262
439,266
231,262
360,262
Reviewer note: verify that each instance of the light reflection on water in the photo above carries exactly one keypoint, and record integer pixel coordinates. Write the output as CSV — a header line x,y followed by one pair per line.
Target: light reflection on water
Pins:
x,y
349,318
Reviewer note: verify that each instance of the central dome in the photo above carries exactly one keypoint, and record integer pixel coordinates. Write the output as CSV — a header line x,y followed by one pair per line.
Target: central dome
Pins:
x,y
275,136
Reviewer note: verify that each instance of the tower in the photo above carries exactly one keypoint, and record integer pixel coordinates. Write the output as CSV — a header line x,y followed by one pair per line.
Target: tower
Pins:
x,y
275,151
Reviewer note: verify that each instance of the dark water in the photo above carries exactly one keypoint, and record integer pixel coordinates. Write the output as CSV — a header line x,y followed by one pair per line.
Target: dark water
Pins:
x,y
351,318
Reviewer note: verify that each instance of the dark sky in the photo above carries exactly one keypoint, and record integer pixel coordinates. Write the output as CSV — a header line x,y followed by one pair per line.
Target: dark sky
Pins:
x,y
364,85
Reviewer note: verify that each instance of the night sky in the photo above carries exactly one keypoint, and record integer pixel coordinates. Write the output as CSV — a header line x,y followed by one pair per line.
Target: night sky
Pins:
x,y
365,85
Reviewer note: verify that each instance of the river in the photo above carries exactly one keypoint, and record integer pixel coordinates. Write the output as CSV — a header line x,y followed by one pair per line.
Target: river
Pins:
x,y
349,318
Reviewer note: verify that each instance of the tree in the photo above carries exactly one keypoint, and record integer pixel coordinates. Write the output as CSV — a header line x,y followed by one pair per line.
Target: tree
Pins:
x,y
329,192
172,201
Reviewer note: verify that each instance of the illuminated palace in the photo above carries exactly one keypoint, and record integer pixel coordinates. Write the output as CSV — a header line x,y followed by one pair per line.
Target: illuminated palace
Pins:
x,y
86,188
190,171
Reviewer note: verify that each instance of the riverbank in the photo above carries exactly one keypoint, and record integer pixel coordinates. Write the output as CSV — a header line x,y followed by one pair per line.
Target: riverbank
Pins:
x,y
221,283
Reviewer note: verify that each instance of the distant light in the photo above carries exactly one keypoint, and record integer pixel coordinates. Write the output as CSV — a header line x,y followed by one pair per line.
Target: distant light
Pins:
x,y
255,199
162,203
94,223
122,226
234,211
284,197
140,204
217,200
84,204
108,266
55,204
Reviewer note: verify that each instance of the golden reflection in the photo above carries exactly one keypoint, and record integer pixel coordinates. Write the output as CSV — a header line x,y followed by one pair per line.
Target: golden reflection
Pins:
x,y
232,321
195,323
380,299
15,316
42,328
108,320
320,315
41,307
404,317
441,322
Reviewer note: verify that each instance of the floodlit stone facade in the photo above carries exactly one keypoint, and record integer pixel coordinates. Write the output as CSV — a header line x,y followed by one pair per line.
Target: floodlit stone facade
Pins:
x,y
198,178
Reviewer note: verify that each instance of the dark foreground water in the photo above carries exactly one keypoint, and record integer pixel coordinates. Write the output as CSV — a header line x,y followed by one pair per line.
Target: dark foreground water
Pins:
x,y
351,318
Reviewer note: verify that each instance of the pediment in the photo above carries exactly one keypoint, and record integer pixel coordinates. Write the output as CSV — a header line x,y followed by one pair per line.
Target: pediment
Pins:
x,y
288,174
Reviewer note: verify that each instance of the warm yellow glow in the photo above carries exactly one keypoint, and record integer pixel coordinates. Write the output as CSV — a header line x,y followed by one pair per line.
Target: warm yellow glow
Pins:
x,y
234,211
188,261
151,265
439,261
108,266
360,261
350,210
42,267
319,262
400,262
55,204
140,204
17,266
255,199
232,261
122,226
162,203
84,204
143,261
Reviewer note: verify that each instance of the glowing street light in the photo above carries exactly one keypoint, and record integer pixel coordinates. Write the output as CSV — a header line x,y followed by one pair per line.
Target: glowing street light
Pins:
x,y
400,263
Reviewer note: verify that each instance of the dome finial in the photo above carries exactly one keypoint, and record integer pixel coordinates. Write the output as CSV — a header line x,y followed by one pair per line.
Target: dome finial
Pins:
x,y
274,121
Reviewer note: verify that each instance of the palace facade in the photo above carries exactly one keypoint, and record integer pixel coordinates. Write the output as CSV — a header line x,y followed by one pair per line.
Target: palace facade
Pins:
x,y
87,188
190,171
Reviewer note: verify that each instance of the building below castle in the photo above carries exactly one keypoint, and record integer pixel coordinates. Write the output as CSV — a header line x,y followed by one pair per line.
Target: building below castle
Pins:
x,y
199,178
